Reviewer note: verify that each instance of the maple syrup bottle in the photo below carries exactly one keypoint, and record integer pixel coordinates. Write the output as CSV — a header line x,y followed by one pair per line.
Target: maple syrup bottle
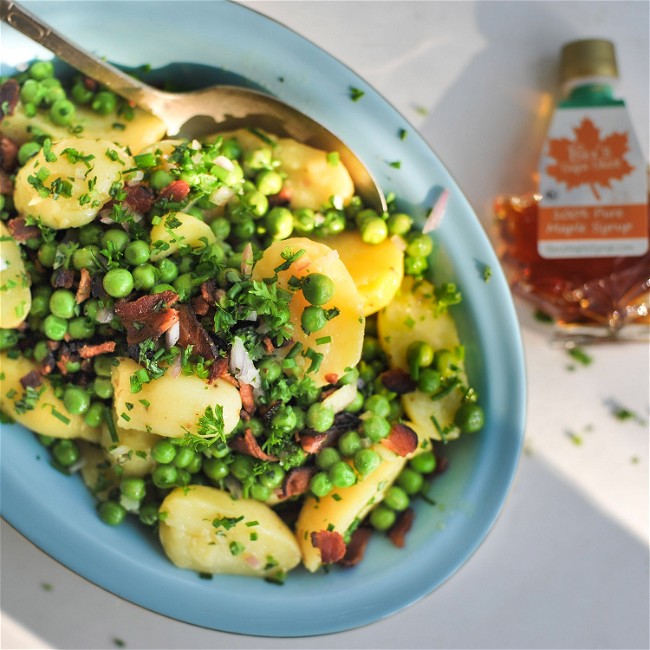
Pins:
x,y
578,249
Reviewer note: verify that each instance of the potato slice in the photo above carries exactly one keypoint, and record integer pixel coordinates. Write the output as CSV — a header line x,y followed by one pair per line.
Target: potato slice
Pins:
x,y
137,133
170,406
377,269
178,229
48,415
15,294
344,508
411,317
345,330
72,191
206,530
131,451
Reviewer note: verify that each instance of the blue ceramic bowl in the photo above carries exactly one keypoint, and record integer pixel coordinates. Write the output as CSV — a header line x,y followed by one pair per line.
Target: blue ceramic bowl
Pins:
x,y
57,513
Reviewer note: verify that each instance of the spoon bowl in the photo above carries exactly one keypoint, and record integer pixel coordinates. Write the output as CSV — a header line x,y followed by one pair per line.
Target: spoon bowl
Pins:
x,y
200,112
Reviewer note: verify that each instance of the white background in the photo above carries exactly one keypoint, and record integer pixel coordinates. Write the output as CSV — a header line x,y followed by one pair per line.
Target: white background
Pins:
x,y
566,565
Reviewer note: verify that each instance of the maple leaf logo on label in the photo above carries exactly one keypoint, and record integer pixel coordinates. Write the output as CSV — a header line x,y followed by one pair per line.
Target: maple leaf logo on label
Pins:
x,y
589,160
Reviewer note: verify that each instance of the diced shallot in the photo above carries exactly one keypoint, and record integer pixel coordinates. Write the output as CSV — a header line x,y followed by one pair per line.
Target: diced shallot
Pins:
x,y
341,398
172,335
242,366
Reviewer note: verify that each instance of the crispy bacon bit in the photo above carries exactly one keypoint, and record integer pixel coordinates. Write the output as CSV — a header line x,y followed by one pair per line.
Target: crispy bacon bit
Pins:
x,y
8,153
312,442
397,533
247,399
89,83
219,369
330,544
297,481
268,345
176,191
282,198
65,357
20,231
194,334
62,279
398,381
83,290
200,306
401,439
208,289
6,184
89,351
331,377
31,380
48,364
148,316
247,444
356,547
139,198
9,94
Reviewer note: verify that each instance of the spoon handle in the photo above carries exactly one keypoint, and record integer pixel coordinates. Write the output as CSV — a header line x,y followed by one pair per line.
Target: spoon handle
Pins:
x,y
119,82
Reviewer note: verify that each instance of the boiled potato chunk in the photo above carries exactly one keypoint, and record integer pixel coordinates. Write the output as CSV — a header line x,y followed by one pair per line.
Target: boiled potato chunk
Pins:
x,y
344,507
15,294
135,134
377,269
204,529
411,317
170,406
346,330
189,232
71,191
131,452
98,475
49,416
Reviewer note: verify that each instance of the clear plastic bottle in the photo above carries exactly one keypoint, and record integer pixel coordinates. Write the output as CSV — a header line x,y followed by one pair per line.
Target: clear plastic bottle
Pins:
x,y
579,248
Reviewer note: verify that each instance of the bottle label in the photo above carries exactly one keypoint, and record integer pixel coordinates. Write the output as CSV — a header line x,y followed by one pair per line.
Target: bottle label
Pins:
x,y
594,186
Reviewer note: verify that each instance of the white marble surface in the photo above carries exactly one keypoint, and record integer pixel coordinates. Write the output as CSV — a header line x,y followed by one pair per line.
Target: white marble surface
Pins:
x,y
566,565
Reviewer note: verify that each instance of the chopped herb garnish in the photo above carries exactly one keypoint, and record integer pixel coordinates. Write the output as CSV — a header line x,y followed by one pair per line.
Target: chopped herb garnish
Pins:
x,y
356,94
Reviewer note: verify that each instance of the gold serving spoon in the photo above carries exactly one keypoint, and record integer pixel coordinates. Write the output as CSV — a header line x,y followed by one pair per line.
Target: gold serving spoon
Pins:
x,y
199,112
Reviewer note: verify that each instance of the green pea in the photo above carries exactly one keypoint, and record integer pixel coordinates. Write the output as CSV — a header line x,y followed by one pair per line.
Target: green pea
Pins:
x,y
284,419
304,221
53,94
242,467
410,481
81,328
270,370
376,427
80,93
62,112
317,288
86,257
220,227
133,488
215,469
73,366
160,288
470,417
40,349
341,475
8,339
364,216
195,465
144,277
149,514
66,452
320,417
55,328
429,380
167,271
333,223
399,224
137,252
90,234
112,513
424,463
76,400
366,461
184,457
378,404
103,387
95,414
32,92
396,498
268,182
273,476
63,303
159,178
313,319
46,441
279,223
115,239
90,308
260,492
320,484
258,159
374,231
27,151
357,403
163,452
420,246
104,102
103,365
382,517
244,229
349,443
371,348
40,307
164,476
327,457
118,283
415,265
40,70
445,362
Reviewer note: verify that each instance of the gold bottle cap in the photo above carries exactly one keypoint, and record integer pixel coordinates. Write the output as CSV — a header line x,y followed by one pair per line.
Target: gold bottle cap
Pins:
x,y
593,57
